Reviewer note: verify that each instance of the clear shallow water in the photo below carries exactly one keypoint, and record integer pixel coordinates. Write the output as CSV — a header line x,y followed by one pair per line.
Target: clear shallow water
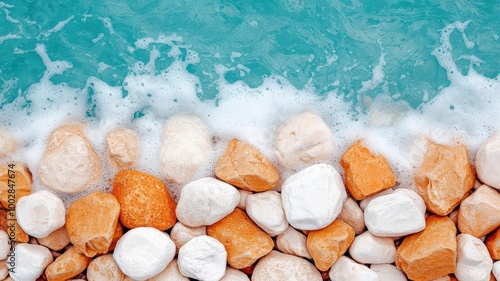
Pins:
x,y
392,72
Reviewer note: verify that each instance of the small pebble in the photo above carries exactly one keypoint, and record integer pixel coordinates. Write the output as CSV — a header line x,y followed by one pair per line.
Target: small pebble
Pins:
x,y
170,273
293,242
30,262
203,258
346,269
369,249
104,268
388,272
266,210
181,234
473,259
278,266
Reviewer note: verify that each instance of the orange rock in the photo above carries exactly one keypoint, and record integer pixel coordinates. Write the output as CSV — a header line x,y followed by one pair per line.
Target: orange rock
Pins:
x,y
144,200
327,245
365,173
479,214
104,268
16,179
243,165
8,223
431,253
493,244
67,265
91,223
56,240
444,178
118,234
244,241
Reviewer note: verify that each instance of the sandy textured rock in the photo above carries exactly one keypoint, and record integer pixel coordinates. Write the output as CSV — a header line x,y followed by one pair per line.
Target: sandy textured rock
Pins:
x,y
234,275
303,138
364,203
488,161
388,272
479,213
181,234
327,245
431,253
206,201
293,242
19,178
444,177
369,249
116,236
266,210
7,143
104,268
144,200
170,273
91,223
473,259
244,241
244,166
30,262
56,240
67,265
277,266
8,223
313,197
69,163
203,258
123,147
186,146
365,173
493,244
346,269
352,214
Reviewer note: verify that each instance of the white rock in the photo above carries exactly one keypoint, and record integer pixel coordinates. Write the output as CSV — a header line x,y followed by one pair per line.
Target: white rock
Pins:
x,y
276,266
143,252
266,210
29,263
7,143
123,147
488,161
203,258
170,273
303,138
104,268
352,214
206,201
293,242
473,259
4,271
496,270
388,272
234,275
40,213
370,249
417,199
393,215
186,146
313,197
243,198
4,245
346,269
363,203
181,233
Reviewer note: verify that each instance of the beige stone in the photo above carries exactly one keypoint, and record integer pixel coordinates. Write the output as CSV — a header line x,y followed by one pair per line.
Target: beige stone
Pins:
x,y
56,240
7,143
444,177
431,253
277,266
365,173
91,223
170,273
327,245
17,179
7,218
353,215
493,244
244,166
293,242
67,266
244,241
181,234
123,147
104,268
479,214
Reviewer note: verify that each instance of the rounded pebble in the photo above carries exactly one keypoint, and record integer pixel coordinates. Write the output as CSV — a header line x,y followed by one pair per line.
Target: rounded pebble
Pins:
x,y
30,262
203,258
104,268
266,210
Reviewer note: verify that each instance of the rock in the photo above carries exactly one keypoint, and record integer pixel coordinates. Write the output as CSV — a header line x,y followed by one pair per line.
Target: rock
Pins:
x,y
234,275
488,161
123,147
370,249
203,258
67,265
473,259
104,268
454,216
116,236
496,270
493,244
4,270
352,214
302,139
4,245
266,210
479,213
444,177
56,240
40,213
243,240
186,146
206,201
430,253
19,178
417,199
91,223
243,198
293,242
327,245
170,273
29,263
244,166
181,234
144,252
346,269
365,173
7,143
144,200
69,163
393,215
388,272
313,197
277,266
364,203
8,223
